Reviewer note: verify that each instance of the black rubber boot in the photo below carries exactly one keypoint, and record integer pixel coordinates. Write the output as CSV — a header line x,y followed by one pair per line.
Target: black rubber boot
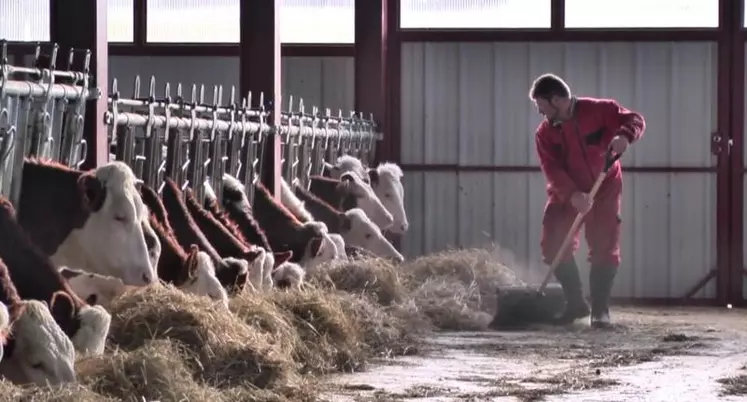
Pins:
x,y
601,279
575,304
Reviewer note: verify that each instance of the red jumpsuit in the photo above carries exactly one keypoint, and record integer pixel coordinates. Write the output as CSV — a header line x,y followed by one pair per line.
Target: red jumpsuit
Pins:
x,y
572,155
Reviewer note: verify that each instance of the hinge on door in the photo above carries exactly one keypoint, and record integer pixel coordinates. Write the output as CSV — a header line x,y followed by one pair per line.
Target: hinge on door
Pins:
x,y
716,143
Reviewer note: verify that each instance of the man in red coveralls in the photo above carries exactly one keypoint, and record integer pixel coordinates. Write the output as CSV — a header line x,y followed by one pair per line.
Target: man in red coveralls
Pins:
x,y
571,144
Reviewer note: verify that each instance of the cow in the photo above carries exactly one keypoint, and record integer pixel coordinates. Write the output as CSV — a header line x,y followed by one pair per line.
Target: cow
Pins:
x,y
353,225
35,277
238,210
95,289
191,272
348,192
88,220
283,230
386,182
34,348
329,249
346,163
227,269
226,244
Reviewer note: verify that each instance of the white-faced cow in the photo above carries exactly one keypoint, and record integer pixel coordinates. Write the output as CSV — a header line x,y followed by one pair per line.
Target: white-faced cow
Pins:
x,y
386,182
35,277
95,289
88,220
229,270
348,192
353,225
34,348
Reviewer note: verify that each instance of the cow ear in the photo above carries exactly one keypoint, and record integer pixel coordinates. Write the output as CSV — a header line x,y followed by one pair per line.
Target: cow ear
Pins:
x,y
192,261
61,305
346,224
252,254
68,273
282,257
373,176
315,245
92,191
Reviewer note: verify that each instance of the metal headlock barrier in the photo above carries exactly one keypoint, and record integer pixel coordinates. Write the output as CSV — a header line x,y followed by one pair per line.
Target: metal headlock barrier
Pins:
x,y
194,142
42,111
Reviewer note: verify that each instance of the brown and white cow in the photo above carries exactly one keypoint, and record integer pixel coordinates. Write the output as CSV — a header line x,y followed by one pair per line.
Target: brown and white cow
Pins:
x,y
226,244
35,277
353,225
348,192
386,182
283,230
33,348
229,270
191,272
238,209
329,249
88,220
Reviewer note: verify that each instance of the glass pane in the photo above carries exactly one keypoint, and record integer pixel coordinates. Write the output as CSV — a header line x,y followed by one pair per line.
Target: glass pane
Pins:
x,y
641,14
24,21
475,14
193,21
120,24
317,21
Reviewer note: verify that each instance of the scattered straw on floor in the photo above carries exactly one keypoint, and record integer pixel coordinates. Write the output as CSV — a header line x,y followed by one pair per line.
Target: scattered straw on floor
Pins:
x,y
168,345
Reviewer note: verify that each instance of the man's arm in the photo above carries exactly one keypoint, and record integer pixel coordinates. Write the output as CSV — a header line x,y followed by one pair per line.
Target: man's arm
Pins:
x,y
624,121
553,167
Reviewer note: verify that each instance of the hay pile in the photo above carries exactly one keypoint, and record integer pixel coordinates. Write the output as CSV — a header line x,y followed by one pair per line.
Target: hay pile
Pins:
x,y
168,345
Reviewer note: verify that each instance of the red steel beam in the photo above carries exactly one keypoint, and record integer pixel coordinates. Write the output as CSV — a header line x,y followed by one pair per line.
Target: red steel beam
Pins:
x,y
260,72
536,169
371,55
81,24
226,49
559,35
733,11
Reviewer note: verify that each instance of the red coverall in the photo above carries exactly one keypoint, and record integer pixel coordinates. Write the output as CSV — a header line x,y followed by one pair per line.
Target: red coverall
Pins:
x,y
572,155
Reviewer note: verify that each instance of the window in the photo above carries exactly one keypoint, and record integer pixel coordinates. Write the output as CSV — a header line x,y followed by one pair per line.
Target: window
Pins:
x,y
217,21
120,22
317,21
475,14
24,21
193,21
641,14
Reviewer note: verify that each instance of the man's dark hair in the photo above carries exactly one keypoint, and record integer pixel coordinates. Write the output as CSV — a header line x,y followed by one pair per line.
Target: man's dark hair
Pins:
x,y
548,85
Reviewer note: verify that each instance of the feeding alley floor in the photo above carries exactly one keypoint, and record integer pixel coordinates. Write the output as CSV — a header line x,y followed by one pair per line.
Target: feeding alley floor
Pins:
x,y
673,354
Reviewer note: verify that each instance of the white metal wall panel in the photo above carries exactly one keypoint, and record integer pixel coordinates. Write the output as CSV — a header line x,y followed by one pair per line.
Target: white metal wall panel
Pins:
x,y
324,82
467,104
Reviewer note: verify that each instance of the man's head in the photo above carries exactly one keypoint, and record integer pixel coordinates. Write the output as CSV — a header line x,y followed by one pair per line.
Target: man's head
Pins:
x,y
552,96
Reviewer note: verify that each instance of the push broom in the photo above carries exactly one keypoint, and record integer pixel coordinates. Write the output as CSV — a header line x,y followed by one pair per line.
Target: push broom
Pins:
x,y
520,305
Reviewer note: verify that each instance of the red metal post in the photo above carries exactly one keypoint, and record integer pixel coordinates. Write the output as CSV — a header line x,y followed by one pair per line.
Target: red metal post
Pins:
x,y
734,13
371,60
259,72
393,132
81,24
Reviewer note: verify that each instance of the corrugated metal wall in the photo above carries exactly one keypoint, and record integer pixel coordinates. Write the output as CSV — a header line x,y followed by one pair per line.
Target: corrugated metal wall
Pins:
x,y
466,104
321,81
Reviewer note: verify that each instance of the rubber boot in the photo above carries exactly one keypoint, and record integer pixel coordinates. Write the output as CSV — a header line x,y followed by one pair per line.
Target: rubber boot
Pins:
x,y
575,305
601,279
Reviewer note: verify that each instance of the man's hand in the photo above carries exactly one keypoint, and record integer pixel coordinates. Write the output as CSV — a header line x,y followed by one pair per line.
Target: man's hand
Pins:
x,y
582,202
619,144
